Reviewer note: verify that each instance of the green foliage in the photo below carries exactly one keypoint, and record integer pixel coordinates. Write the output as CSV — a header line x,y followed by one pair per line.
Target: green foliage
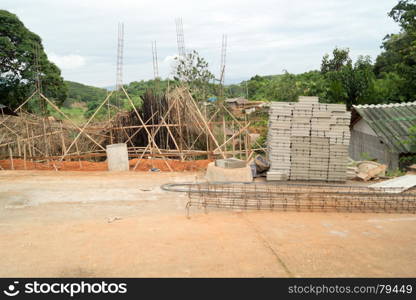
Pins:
x,y
311,83
388,88
283,88
75,113
257,87
347,82
404,13
398,60
411,139
193,70
18,70
139,88
340,58
78,92
118,101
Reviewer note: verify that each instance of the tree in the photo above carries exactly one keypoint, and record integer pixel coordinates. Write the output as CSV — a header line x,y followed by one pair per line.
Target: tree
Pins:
x,y
404,13
193,69
19,51
340,58
283,88
311,83
348,82
398,60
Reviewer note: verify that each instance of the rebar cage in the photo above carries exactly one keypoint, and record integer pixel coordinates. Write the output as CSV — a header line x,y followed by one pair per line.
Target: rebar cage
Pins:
x,y
297,197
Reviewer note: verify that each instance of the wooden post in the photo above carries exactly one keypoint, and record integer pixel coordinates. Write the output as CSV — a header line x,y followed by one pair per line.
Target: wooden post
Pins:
x,y
28,136
24,156
45,142
225,134
33,145
246,137
239,144
207,139
19,152
233,139
79,159
11,158
63,140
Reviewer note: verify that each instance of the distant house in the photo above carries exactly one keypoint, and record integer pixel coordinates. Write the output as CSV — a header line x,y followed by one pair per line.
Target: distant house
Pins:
x,y
380,131
240,105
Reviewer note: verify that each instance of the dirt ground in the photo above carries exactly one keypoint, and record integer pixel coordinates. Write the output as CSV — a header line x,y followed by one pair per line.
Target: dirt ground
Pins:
x,y
83,165
102,224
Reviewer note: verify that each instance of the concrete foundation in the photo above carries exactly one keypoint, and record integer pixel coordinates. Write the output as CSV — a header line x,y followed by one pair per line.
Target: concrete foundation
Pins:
x,y
117,157
230,163
217,174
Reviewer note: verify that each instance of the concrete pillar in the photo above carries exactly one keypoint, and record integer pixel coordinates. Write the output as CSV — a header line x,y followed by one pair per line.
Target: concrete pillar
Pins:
x,y
117,157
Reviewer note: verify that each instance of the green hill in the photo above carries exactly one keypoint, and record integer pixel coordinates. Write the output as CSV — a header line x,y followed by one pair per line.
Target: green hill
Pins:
x,y
78,92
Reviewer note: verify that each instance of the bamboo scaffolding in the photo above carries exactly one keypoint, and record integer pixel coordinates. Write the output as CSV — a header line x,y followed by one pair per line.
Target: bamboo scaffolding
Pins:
x,y
175,127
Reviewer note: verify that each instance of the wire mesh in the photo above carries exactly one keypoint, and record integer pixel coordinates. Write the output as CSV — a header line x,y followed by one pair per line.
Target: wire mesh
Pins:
x,y
299,197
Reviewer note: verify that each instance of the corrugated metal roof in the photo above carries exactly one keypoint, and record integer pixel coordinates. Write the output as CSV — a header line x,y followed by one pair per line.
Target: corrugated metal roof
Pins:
x,y
391,122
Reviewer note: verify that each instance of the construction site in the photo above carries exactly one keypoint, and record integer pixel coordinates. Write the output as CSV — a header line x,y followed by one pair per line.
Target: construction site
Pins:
x,y
180,188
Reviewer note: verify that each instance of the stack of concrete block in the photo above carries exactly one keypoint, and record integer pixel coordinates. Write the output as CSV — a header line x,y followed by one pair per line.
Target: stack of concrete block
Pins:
x,y
280,120
319,158
308,140
337,161
300,158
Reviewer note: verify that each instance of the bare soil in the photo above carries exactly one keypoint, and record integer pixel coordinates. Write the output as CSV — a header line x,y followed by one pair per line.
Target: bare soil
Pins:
x,y
83,165
122,224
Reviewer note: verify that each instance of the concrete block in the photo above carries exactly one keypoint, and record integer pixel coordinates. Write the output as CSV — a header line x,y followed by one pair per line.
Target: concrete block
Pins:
x,y
117,157
230,163
217,174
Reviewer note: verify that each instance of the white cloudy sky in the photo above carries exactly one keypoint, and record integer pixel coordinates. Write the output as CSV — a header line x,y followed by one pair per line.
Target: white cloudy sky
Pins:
x,y
264,36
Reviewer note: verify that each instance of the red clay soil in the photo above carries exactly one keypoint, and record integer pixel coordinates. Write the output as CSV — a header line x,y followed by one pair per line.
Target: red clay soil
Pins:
x,y
144,165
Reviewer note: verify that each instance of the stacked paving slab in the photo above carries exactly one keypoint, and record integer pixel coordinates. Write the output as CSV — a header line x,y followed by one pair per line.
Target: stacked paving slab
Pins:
x,y
308,140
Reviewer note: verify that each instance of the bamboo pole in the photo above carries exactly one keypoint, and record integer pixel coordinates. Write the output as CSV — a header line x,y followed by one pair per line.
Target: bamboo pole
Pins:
x,y
63,140
20,106
45,141
85,125
19,152
238,123
79,160
140,159
209,122
11,159
239,144
224,133
145,128
138,130
205,123
235,134
65,116
24,156
29,139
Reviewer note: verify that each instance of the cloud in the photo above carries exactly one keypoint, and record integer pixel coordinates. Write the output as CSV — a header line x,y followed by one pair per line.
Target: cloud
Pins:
x,y
264,36
67,62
